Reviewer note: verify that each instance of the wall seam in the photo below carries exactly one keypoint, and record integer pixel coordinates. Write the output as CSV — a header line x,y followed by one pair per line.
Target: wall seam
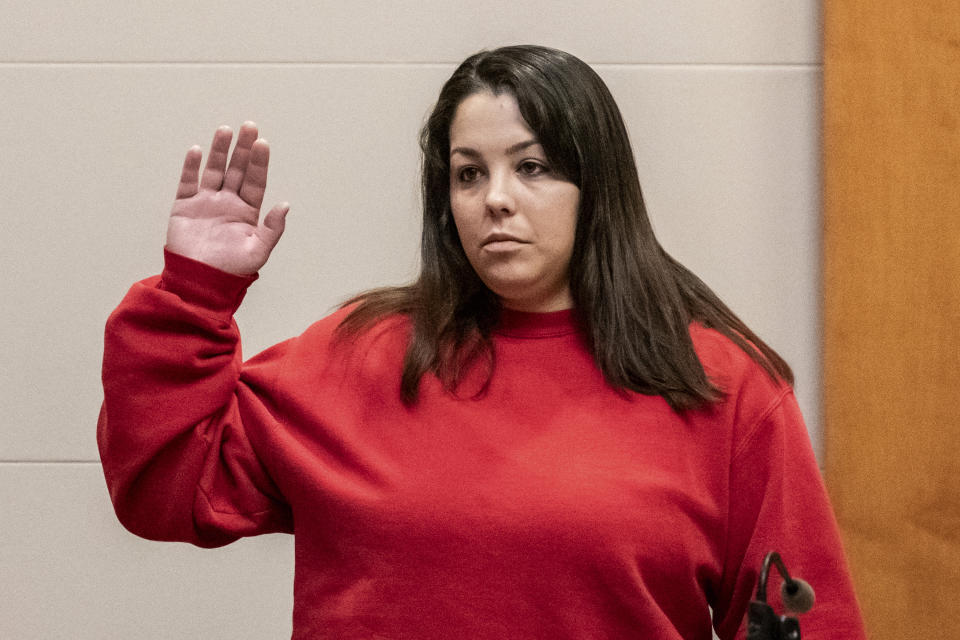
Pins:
x,y
351,64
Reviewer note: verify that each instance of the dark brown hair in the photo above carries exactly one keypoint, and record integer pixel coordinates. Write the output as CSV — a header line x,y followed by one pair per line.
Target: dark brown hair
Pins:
x,y
634,302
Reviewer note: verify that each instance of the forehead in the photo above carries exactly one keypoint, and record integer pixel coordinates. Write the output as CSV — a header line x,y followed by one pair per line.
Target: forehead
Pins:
x,y
488,119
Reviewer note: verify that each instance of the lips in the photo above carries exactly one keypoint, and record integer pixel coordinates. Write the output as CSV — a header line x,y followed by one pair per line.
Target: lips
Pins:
x,y
501,237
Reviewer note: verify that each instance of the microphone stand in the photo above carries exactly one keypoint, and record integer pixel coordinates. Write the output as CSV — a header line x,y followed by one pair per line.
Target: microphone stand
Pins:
x,y
762,622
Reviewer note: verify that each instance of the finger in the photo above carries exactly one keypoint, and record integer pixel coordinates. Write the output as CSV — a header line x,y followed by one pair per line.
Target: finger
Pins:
x,y
240,157
255,178
189,176
274,223
212,176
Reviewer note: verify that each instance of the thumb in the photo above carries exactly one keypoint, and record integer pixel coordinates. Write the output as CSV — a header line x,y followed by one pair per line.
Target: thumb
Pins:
x,y
274,222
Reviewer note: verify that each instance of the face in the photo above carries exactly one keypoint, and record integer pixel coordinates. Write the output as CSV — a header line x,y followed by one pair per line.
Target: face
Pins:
x,y
516,218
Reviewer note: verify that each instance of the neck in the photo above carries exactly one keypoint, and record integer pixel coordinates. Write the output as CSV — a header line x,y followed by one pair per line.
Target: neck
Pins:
x,y
557,302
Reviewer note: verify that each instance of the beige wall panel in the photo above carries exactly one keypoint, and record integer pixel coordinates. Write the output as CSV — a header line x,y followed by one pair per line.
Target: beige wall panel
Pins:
x,y
69,570
430,30
92,154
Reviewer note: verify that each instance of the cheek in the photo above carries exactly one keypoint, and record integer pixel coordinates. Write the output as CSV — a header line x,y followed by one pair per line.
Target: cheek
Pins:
x,y
564,222
465,222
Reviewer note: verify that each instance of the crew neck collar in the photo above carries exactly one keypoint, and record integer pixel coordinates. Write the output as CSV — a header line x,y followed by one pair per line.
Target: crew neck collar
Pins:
x,y
529,324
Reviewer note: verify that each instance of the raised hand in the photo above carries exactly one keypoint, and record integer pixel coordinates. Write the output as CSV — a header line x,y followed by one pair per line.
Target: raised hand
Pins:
x,y
216,216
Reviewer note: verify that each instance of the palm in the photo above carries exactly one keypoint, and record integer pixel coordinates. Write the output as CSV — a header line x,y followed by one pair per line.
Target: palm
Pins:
x,y
216,216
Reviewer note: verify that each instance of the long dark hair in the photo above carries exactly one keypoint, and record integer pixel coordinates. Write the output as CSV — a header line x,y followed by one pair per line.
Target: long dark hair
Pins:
x,y
634,302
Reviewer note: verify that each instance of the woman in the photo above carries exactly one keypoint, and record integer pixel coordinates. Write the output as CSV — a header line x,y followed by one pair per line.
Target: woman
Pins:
x,y
556,431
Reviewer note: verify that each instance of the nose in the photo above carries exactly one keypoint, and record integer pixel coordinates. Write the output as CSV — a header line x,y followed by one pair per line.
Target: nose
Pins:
x,y
499,196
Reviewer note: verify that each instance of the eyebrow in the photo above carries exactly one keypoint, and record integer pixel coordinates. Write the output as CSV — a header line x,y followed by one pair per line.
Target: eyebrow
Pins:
x,y
473,153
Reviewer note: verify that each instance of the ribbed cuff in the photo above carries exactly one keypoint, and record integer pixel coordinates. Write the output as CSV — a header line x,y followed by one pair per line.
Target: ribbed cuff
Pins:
x,y
201,285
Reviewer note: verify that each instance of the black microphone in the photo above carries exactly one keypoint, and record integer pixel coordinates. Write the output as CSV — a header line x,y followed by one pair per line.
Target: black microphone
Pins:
x,y
797,596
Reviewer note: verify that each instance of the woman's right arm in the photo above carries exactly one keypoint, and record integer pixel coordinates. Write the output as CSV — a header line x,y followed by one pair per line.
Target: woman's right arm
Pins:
x,y
173,429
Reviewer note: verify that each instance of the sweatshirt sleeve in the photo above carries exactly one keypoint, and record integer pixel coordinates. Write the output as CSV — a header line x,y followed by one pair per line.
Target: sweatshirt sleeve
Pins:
x,y
778,502
173,428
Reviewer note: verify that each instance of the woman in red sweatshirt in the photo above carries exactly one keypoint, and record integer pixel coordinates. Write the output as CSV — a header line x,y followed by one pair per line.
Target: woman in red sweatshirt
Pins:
x,y
556,431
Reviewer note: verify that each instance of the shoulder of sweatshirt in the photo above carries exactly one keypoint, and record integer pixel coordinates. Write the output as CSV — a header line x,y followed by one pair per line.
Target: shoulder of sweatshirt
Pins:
x,y
324,351
750,393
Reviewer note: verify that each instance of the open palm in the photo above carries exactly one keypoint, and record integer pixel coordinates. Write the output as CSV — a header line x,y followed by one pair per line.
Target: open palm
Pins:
x,y
216,216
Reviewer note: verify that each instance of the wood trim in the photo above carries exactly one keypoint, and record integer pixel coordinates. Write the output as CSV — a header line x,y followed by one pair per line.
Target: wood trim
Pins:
x,y
892,304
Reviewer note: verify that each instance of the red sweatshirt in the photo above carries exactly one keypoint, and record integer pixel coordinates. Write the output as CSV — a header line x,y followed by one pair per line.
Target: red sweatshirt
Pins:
x,y
551,506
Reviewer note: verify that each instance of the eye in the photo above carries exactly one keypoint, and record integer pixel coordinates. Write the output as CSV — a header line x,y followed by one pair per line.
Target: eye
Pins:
x,y
468,174
532,168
